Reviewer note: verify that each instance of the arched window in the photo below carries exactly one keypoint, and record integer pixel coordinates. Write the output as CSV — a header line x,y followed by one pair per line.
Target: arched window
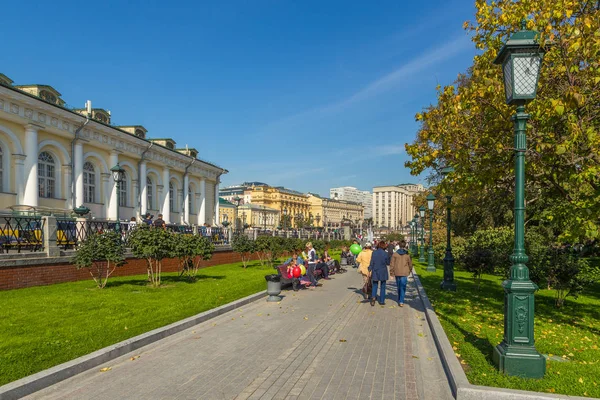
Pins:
x,y
149,192
89,183
171,197
123,191
190,202
46,178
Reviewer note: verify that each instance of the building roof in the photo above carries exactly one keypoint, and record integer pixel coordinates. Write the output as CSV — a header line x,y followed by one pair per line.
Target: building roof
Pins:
x,y
64,108
257,207
223,202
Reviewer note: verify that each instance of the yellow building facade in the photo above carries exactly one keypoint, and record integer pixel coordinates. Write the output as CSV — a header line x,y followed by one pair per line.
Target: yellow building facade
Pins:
x,y
56,158
286,201
330,213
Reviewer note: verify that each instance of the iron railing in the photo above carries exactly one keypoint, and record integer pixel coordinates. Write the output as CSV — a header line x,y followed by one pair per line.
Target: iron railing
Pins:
x,y
21,233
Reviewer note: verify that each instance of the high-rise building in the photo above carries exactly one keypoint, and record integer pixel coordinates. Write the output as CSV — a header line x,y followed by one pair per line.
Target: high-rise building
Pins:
x,y
393,205
350,193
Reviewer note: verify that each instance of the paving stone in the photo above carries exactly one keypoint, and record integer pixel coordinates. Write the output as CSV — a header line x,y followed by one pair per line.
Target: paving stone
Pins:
x,y
322,343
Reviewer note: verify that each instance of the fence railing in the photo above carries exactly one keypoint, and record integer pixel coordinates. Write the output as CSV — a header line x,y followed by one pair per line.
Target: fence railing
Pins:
x,y
21,233
51,234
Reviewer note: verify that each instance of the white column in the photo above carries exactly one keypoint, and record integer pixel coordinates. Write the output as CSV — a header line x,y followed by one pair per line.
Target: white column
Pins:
x,y
166,211
78,174
19,160
202,210
111,196
217,220
67,177
186,199
30,196
107,184
143,189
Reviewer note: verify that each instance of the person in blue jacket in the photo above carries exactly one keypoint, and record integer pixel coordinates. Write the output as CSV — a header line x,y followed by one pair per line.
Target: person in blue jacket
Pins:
x,y
379,272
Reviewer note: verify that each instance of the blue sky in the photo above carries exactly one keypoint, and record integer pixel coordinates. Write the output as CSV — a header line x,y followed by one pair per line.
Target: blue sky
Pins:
x,y
305,94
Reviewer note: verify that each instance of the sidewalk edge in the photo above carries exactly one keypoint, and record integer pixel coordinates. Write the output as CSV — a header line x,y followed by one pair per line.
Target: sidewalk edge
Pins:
x,y
50,376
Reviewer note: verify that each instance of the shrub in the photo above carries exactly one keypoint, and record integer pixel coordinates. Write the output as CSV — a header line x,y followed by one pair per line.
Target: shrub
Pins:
x,y
191,250
243,246
568,274
390,237
101,254
478,261
458,249
153,244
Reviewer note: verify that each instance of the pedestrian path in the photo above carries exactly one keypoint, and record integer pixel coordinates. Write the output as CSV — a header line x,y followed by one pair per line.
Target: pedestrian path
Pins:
x,y
321,343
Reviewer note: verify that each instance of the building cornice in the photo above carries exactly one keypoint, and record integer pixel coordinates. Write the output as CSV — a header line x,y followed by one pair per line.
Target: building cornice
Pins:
x,y
24,108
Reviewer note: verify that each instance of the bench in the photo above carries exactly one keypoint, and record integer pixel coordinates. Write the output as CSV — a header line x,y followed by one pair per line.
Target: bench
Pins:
x,y
295,282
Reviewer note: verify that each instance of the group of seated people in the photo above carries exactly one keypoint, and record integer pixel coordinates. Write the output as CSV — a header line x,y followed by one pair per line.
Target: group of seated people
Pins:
x,y
325,264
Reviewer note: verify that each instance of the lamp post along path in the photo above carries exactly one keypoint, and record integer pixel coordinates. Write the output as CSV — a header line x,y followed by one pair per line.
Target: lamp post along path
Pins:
x,y
422,236
521,59
431,256
448,282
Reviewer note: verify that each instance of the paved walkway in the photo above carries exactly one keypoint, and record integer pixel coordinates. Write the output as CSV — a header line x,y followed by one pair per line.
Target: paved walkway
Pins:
x,y
322,343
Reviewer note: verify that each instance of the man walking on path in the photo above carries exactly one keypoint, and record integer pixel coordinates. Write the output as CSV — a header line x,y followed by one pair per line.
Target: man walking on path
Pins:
x,y
401,267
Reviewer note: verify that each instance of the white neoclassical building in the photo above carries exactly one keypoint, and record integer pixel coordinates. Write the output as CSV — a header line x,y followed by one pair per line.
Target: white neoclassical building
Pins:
x,y
56,158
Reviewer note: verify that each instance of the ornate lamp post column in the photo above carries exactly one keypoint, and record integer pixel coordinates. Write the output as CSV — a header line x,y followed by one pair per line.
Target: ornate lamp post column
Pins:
x,y
430,258
422,237
412,237
521,59
118,174
415,244
448,282
237,200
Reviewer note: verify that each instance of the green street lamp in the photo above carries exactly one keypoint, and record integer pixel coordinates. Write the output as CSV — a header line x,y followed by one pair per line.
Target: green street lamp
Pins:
x,y
237,200
430,258
521,59
118,174
413,227
448,282
422,216
416,242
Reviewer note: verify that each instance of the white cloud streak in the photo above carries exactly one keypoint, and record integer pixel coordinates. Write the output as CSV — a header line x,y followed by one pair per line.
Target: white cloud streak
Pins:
x,y
414,67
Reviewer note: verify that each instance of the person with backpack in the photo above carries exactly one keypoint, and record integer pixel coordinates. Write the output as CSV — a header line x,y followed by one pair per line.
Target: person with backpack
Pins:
x,y
159,222
400,267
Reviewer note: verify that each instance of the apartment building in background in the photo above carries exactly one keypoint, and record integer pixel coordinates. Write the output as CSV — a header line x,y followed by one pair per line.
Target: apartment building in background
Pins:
x,y
350,193
393,205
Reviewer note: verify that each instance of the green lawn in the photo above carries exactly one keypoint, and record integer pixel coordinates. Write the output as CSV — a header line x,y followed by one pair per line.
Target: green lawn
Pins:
x,y
473,321
48,325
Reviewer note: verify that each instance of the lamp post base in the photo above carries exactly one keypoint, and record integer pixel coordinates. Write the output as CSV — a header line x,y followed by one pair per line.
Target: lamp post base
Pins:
x,y
431,262
448,282
517,355
422,254
517,360
448,285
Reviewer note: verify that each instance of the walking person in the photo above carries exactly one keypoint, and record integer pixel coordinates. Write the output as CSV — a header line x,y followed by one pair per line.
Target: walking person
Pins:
x,y
311,257
364,260
379,272
401,266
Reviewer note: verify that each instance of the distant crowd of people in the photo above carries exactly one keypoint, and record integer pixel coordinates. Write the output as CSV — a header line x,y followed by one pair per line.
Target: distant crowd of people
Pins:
x,y
309,258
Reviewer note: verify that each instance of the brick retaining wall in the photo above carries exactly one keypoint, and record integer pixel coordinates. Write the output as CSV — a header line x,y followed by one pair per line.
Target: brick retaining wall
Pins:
x,y
23,276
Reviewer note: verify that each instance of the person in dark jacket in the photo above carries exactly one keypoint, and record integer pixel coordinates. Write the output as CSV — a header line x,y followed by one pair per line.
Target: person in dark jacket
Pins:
x,y
379,272
390,249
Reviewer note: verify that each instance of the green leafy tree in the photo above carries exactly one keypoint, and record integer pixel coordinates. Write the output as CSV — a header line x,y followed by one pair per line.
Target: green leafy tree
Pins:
x,y
470,128
154,245
191,251
241,244
101,254
269,249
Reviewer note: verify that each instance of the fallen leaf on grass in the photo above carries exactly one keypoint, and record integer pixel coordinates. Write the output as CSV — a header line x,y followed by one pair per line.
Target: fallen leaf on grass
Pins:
x,y
580,380
105,369
454,348
457,355
463,362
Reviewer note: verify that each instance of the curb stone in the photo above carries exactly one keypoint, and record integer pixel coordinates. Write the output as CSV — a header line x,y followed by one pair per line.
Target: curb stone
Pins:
x,y
50,376
461,388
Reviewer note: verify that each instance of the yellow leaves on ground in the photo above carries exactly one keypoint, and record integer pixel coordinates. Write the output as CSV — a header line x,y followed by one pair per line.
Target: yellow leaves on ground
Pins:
x,y
105,369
